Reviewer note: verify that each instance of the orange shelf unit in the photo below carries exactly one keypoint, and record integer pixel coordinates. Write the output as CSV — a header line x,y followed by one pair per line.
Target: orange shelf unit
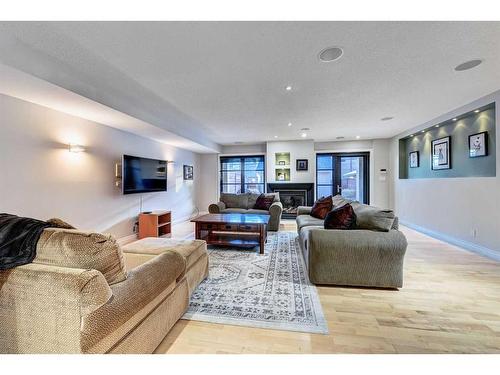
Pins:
x,y
155,224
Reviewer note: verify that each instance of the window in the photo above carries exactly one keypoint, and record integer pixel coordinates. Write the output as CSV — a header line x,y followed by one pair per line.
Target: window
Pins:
x,y
343,173
324,175
242,174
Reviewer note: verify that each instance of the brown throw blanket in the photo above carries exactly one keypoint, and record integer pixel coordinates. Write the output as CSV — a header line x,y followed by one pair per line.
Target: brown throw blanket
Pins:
x,y
18,239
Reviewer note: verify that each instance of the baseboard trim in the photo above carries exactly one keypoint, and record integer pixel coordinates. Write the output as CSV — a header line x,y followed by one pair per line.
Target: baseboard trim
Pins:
x,y
466,245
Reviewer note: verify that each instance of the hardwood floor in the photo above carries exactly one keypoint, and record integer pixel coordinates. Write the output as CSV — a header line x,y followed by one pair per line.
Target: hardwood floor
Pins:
x,y
450,303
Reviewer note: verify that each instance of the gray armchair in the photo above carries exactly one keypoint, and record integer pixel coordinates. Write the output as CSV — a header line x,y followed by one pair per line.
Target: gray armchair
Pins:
x,y
244,203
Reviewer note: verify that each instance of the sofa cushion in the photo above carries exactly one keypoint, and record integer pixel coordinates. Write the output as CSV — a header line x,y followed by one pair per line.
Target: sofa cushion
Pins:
x,y
234,200
133,299
341,218
308,220
395,224
194,253
339,201
257,212
58,223
243,211
321,207
263,202
191,250
87,250
252,199
133,260
234,211
373,218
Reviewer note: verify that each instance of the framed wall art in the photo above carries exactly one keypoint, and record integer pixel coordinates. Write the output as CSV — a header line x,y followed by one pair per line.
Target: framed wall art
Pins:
x,y
478,145
441,153
188,172
302,165
414,159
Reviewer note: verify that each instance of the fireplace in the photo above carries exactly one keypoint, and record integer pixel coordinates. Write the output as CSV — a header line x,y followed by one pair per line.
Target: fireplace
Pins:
x,y
293,195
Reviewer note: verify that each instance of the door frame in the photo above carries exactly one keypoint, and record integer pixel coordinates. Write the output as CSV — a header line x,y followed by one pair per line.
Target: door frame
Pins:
x,y
337,174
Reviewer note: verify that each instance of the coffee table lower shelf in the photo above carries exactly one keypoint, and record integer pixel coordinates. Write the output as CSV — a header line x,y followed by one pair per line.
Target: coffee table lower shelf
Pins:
x,y
233,239
238,230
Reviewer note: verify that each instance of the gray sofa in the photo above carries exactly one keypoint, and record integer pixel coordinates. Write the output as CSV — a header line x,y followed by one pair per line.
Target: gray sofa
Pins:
x,y
243,203
358,257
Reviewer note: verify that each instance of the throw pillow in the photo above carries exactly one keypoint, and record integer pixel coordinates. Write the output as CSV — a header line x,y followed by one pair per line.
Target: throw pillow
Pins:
x,y
373,218
264,202
321,207
75,249
341,218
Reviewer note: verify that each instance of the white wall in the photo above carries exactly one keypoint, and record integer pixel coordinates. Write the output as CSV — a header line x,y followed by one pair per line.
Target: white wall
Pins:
x,y
208,189
379,150
452,208
297,150
257,149
40,178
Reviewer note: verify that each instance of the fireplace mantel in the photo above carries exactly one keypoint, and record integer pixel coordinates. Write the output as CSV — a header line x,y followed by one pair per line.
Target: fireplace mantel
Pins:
x,y
292,192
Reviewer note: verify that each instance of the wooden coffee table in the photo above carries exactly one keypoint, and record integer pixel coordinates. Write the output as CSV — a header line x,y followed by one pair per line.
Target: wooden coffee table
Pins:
x,y
241,230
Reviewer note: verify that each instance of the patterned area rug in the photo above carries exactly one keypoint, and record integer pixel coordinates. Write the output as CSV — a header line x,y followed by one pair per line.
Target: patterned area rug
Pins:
x,y
265,291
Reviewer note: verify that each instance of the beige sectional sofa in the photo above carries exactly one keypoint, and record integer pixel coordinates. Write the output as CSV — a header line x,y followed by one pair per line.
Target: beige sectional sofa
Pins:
x,y
85,294
369,256
244,203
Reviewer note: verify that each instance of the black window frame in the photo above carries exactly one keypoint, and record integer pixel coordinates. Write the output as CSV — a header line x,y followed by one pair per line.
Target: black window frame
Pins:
x,y
242,171
336,171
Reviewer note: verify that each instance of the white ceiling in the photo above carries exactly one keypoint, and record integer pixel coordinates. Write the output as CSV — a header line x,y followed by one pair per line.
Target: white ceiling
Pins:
x,y
226,80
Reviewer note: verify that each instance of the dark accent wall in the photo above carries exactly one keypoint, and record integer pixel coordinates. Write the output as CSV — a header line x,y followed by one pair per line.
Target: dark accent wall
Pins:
x,y
461,164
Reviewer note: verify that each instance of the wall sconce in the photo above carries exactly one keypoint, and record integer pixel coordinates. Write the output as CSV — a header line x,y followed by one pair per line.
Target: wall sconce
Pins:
x,y
73,147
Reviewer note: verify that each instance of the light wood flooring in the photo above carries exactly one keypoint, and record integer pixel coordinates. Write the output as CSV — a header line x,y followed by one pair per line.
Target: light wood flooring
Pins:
x,y
450,303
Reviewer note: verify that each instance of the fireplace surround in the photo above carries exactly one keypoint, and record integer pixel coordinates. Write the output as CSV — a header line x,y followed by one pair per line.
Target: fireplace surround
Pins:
x,y
293,195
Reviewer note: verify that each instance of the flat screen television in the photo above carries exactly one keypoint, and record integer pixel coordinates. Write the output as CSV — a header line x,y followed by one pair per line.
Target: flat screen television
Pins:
x,y
143,175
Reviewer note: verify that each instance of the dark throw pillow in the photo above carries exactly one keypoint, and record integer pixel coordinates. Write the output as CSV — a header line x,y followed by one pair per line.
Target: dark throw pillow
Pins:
x,y
321,207
264,202
341,218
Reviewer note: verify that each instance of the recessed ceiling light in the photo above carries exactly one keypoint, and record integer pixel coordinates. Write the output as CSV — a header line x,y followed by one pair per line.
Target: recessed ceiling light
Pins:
x,y
476,111
330,54
73,147
455,119
423,131
275,136
288,88
411,135
468,65
437,126
289,124
386,118
303,135
358,137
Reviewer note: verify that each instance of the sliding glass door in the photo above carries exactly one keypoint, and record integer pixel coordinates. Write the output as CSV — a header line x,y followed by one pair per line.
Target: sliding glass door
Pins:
x,y
242,174
343,173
